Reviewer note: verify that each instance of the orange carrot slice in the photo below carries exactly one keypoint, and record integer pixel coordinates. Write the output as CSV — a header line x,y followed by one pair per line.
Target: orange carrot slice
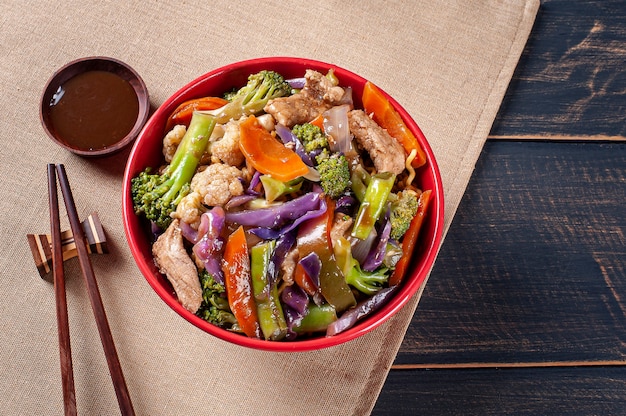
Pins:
x,y
268,155
237,278
183,113
375,102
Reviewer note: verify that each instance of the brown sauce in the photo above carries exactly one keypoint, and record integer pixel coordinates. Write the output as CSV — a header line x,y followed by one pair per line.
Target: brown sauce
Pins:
x,y
94,110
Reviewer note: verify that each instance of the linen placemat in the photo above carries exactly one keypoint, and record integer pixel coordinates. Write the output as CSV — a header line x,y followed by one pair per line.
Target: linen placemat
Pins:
x,y
447,62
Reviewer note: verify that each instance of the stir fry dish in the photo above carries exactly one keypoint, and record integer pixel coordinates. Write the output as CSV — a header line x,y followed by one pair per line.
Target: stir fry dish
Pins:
x,y
281,211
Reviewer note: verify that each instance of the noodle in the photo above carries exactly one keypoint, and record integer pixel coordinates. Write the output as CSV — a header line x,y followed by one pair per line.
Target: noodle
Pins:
x,y
408,166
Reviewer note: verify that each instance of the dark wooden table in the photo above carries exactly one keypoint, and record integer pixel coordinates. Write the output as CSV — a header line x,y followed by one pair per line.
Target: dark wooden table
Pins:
x,y
525,310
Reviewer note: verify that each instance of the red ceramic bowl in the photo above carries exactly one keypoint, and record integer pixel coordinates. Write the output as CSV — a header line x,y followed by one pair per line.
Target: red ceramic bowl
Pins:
x,y
147,152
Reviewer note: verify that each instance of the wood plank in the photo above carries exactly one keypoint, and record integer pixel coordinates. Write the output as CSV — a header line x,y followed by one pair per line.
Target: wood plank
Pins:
x,y
532,269
571,78
560,138
484,392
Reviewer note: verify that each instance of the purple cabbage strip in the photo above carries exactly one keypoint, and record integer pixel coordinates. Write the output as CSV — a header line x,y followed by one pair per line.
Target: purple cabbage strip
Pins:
x,y
188,232
239,200
296,83
295,307
362,248
277,215
254,182
293,319
377,254
312,265
210,244
295,297
155,230
283,245
287,136
346,204
267,233
361,310
205,220
315,153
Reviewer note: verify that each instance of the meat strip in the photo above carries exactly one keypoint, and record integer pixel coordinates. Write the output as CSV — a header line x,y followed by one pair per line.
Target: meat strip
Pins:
x,y
385,151
317,96
173,261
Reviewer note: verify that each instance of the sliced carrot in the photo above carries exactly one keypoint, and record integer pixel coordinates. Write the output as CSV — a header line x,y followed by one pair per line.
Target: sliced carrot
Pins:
x,y
375,102
183,113
318,121
237,278
266,154
410,239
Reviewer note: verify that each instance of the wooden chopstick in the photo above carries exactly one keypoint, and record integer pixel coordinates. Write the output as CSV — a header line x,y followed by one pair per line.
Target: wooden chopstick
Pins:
x,y
115,369
65,351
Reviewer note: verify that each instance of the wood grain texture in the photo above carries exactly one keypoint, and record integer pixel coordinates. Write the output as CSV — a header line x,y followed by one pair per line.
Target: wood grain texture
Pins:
x,y
532,268
110,352
534,391
525,310
571,78
58,270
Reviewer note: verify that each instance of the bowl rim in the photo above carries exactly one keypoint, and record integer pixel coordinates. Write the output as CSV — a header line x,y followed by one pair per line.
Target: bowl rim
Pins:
x,y
91,63
410,285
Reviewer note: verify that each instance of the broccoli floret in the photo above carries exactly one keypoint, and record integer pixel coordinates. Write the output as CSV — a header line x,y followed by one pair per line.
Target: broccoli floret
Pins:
x,y
230,95
214,307
334,173
365,282
402,212
157,195
252,97
311,136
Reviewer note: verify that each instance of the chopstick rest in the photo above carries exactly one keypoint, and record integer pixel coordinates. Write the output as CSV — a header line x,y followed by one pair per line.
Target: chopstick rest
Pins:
x,y
41,244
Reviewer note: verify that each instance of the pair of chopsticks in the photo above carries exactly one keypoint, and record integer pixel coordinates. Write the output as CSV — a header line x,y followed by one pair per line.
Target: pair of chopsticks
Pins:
x,y
69,395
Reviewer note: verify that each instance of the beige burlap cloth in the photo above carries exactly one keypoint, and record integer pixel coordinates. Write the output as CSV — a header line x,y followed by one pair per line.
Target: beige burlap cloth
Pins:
x,y
447,62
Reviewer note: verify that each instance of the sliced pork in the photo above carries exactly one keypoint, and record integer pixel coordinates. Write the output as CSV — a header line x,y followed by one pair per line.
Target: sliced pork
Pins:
x,y
173,261
385,151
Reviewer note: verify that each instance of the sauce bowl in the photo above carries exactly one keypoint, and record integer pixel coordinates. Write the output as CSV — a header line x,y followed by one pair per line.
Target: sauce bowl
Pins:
x,y
94,106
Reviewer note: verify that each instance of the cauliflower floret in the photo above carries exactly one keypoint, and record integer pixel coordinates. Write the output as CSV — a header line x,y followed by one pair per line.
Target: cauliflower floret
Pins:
x,y
207,157
190,209
267,121
217,184
172,140
226,149
218,133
